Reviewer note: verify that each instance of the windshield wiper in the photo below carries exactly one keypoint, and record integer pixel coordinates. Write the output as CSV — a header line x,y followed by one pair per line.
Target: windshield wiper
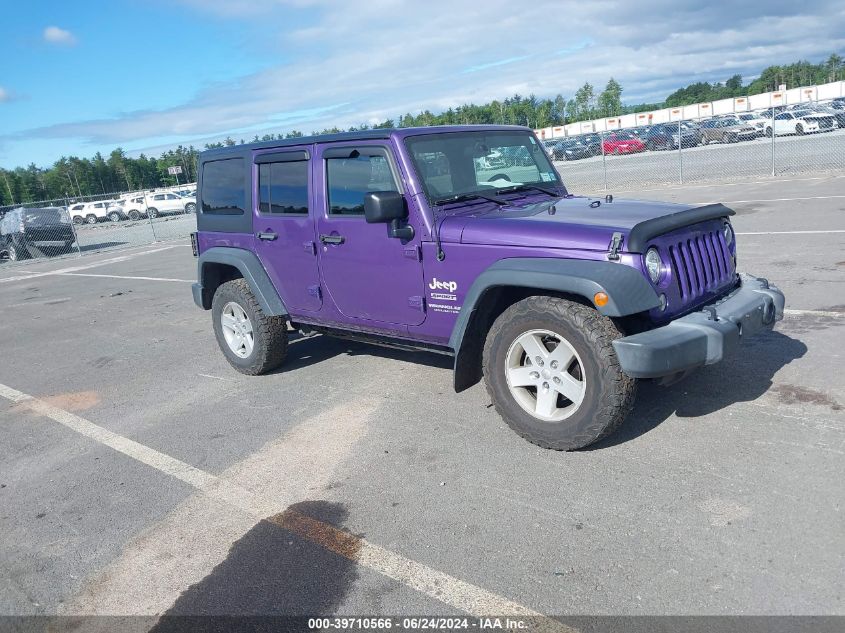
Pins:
x,y
549,192
470,196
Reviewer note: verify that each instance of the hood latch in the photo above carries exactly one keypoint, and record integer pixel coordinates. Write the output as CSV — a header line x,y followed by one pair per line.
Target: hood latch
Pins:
x,y
615,245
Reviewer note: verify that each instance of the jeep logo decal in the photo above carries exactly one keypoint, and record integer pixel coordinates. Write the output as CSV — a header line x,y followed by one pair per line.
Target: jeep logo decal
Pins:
x,y
451,286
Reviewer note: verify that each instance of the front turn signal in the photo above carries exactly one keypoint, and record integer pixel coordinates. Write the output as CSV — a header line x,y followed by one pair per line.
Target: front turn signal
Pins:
x,y
600,299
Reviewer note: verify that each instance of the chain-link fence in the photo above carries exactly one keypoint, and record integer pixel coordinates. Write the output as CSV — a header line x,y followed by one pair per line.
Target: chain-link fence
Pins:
x,y
807,138
75,226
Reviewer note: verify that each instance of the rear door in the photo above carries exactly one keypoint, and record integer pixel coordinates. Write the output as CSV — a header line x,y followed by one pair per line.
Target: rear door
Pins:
x,y
284,225
367,274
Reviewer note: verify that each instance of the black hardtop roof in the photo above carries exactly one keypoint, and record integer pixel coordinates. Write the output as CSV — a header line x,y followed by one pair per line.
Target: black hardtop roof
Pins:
x,y
361,135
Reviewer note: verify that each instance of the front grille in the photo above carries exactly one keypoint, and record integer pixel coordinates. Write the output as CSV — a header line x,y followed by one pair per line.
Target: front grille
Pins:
x,y
701,265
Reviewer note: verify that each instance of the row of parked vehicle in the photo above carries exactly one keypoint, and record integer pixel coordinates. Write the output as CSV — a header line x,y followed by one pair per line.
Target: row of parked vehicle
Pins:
x,y
804,118
134,206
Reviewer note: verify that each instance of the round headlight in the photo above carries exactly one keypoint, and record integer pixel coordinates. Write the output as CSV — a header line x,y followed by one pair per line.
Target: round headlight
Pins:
x,y
729,234
653,264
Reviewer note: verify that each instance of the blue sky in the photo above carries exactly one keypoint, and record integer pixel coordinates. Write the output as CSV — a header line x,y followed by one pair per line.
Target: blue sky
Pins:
x,y
85,76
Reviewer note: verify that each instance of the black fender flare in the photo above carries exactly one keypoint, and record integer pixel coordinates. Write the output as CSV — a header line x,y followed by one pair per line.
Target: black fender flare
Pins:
x,y
627,289
251,270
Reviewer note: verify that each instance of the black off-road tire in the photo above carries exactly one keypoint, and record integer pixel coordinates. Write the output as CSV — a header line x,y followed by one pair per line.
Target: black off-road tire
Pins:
x,y
270,332
609,394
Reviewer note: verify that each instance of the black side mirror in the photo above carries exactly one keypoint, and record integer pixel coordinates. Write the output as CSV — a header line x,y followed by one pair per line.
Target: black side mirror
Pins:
x,y
384,206
388,207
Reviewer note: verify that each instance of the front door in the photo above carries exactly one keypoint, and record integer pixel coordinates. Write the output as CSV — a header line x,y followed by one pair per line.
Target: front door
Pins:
x,y
284,226
367,274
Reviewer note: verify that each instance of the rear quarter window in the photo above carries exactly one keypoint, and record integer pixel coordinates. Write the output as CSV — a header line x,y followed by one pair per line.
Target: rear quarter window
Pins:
x,y
223,191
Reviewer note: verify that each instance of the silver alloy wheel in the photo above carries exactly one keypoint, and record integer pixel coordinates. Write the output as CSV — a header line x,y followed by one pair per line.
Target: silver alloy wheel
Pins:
x,y
545,375
237,329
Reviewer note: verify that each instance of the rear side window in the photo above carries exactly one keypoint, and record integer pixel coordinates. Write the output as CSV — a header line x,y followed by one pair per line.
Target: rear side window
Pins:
x,y
223,191
283,187
350,178
43,217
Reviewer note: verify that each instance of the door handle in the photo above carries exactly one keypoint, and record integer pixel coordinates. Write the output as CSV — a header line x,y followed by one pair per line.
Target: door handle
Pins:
x,y
332,239
267,235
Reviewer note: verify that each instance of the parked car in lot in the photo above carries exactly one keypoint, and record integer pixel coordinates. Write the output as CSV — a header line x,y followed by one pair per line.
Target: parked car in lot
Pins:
x,y
165,203
754,119
801,122
665,136
826,109
116,211
89,212
577,147
25,233
135,207
725,130
622,142
560,303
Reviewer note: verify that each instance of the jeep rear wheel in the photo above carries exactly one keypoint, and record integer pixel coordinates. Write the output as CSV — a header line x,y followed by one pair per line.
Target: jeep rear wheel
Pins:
x,y
253,342
552,373
91,218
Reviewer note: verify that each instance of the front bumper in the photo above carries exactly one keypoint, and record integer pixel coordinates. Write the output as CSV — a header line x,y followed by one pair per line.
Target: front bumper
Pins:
x,y
704,337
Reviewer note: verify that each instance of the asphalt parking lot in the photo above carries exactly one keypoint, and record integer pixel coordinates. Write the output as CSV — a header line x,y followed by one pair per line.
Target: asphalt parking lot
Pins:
x,y
139,474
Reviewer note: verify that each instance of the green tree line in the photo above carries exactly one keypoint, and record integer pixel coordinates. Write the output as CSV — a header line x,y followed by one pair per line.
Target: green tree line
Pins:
x,y
74,178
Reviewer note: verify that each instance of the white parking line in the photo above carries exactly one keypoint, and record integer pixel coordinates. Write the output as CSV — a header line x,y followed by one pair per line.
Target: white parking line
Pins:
x,y
452,591
73,269
770,200
824,313
675,186
187,281
794,232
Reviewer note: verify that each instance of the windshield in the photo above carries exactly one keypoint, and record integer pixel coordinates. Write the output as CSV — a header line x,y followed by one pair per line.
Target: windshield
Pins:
x,y
457,163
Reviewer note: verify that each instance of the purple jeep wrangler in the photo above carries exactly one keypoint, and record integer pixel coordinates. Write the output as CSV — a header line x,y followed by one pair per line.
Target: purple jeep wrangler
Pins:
x,y
464,241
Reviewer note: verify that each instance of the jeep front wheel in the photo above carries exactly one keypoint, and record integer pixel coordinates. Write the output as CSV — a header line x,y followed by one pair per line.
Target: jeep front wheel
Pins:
x,y
552,373
253,342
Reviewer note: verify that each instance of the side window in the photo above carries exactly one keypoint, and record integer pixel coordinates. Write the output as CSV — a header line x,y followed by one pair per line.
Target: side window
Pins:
x,y
283,187
223,191
172,196
350,178
158,196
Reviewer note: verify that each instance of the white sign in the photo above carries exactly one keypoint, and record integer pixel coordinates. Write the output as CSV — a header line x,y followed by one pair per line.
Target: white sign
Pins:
x,y
176,169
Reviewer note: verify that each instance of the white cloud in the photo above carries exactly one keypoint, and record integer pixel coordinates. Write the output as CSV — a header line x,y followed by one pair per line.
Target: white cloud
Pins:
x,y
5,95
365,59
61,37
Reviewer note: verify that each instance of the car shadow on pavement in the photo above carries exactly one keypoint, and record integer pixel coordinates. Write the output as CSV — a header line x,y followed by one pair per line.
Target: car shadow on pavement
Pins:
x,y
99,246
741,377
304,351
276,569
